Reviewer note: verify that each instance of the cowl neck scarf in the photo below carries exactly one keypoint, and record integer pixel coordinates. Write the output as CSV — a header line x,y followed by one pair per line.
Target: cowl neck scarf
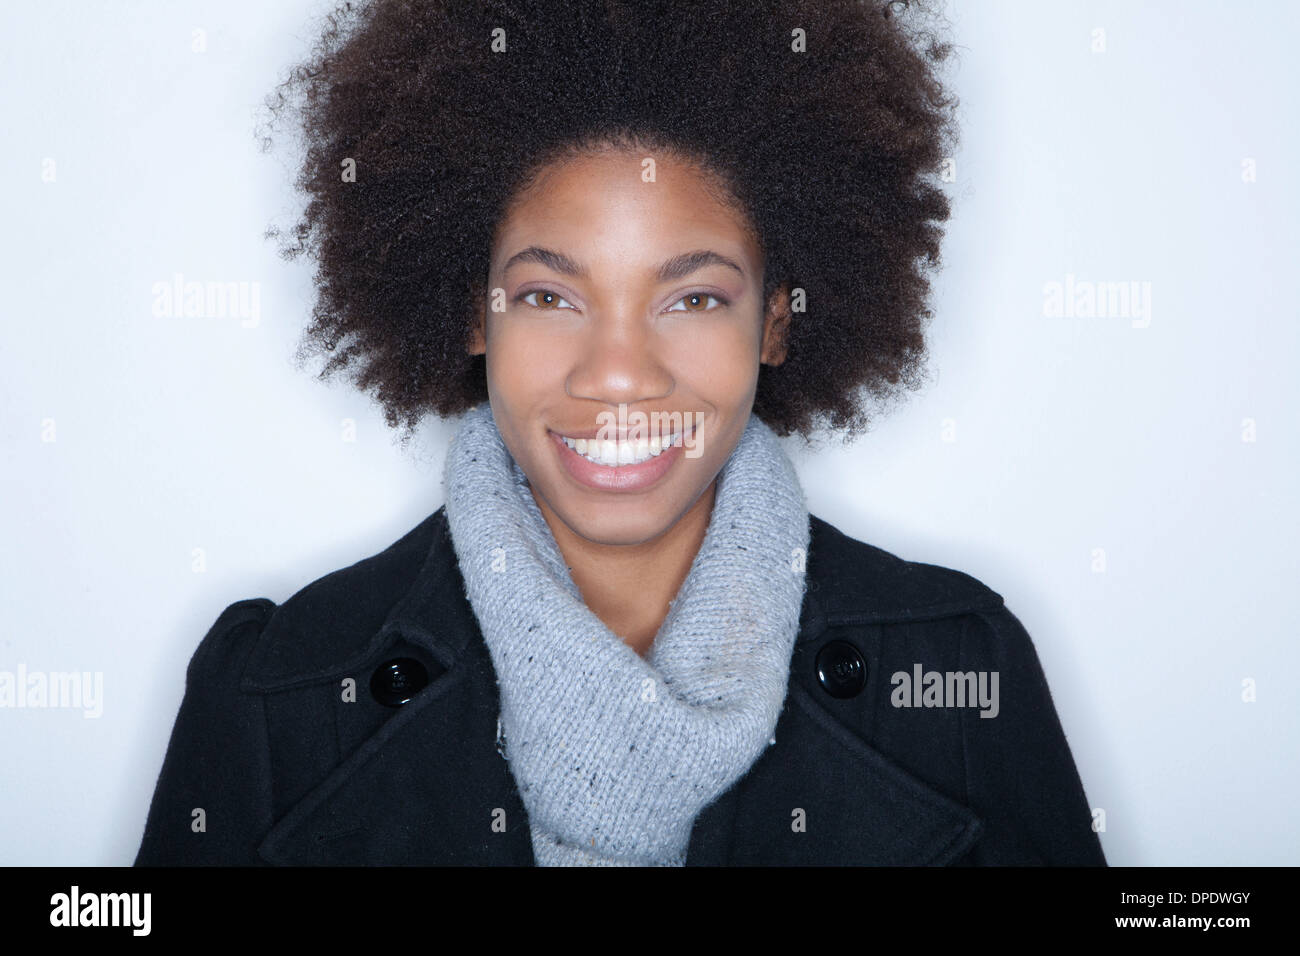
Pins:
x,y
614,754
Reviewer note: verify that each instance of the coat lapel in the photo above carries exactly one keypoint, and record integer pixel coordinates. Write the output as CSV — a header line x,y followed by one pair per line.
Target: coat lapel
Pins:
x,y
421,784
821,795
425,783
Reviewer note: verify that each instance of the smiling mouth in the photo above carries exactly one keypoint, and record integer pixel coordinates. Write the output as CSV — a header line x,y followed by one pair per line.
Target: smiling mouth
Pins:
x,y
616,453
610,453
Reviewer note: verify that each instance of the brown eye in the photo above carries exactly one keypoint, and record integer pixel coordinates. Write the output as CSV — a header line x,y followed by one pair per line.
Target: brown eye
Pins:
x,y
545,299
697,302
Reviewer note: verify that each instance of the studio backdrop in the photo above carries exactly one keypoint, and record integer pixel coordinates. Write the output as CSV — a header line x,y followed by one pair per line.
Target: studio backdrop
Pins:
x,y
1107,436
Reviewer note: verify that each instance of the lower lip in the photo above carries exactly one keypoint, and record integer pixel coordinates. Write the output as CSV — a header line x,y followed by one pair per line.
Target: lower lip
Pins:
x,y
622,478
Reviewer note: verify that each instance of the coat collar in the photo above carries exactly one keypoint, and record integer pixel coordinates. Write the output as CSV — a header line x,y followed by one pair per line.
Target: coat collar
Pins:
x,y
413,592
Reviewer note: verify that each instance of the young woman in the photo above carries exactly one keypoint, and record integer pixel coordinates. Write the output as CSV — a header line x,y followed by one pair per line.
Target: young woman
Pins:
x,y
630,245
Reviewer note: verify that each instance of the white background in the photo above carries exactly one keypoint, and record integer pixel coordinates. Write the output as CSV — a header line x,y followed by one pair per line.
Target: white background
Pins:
x,y
1038,441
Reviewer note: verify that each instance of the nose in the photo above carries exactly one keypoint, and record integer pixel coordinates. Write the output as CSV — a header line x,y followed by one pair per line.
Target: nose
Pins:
x,y
621,362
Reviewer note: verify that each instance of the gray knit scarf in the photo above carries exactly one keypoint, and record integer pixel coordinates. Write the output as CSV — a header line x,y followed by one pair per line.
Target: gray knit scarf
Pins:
x,y
614,754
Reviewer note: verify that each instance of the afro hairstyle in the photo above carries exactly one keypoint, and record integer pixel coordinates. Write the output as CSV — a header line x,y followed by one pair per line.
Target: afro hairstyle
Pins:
x,y
826,119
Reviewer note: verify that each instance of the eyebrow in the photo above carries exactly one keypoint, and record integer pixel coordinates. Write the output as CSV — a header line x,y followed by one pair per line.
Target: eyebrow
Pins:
x,y
675,268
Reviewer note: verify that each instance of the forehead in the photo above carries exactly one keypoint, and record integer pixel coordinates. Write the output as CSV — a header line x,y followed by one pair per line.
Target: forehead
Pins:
x,y
633,205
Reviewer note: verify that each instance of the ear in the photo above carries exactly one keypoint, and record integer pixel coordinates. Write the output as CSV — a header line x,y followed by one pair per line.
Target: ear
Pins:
x,y
477,344
776,326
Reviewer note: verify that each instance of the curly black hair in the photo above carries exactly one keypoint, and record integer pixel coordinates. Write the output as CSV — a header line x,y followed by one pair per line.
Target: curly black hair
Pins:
x,y
826,119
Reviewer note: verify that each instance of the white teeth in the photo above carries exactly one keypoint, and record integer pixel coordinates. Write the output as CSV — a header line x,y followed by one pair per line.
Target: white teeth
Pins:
x,y
613,454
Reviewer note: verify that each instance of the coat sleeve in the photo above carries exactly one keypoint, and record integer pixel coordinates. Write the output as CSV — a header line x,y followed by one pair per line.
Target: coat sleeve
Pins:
x,y
1020,775
217,759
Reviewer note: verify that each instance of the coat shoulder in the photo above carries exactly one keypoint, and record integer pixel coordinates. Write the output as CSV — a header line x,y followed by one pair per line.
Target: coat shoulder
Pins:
x,y
854,582
330,620
224,651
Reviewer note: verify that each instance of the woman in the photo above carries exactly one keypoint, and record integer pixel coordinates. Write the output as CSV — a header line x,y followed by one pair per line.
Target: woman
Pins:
x,y
631,244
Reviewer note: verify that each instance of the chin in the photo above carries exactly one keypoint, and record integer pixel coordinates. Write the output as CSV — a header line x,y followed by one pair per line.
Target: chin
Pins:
x,y
628,523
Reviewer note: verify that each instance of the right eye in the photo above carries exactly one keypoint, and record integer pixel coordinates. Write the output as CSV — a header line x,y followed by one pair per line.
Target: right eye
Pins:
x,y
546,299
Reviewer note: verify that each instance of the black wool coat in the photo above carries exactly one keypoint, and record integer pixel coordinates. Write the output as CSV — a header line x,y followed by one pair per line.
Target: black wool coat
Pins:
x,y
273,760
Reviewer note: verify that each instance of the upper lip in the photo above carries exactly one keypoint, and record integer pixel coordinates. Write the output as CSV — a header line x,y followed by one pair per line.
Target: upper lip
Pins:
x,y
622,435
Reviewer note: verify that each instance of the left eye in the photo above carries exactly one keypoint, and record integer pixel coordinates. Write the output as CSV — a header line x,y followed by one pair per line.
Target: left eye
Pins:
x,y
695,302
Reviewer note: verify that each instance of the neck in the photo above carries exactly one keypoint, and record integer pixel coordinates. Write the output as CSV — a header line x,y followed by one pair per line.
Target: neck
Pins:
x,y
629,586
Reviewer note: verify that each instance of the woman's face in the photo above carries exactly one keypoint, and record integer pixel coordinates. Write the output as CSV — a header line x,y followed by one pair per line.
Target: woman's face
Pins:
x,y
611,294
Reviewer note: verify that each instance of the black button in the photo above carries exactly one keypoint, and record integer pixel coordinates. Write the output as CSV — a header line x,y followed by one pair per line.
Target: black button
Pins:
x,y
395,682
841,669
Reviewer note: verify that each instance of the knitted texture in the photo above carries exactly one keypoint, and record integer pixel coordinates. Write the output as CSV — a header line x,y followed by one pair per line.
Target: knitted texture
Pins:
x,y
615,755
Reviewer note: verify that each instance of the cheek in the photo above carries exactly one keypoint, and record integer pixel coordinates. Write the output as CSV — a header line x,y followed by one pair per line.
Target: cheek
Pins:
x,y
717,360
524,358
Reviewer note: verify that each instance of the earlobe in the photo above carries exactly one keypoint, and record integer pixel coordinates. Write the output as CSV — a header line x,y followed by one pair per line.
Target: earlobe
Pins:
x,y
477,334
776,327
477,345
